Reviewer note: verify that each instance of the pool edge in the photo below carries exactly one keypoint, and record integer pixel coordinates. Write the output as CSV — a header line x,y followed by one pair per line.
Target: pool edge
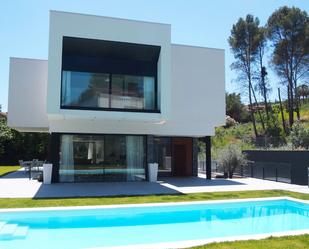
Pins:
x,y
192,243
153,204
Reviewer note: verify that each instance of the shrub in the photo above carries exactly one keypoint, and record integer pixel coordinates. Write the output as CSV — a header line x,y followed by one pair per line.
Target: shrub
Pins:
x,y
299,136
231,159
229,122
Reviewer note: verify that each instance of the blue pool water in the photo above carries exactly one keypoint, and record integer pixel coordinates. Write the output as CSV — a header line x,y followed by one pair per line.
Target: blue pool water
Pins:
x,y
90,228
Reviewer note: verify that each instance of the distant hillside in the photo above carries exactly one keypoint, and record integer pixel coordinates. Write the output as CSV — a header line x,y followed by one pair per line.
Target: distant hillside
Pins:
x,y
243,135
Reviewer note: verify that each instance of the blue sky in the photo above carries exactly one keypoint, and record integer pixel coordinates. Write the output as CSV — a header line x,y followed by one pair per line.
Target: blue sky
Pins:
x,y
24,24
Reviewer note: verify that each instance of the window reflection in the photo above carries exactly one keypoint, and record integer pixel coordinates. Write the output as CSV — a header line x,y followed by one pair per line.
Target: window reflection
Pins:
x,y
98,90
163,153
102,158
85,89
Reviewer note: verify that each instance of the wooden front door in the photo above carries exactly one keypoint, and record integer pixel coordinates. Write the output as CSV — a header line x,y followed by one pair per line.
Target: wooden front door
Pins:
x,y
182,156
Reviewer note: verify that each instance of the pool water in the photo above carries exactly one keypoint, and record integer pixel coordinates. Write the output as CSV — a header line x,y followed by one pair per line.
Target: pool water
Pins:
x,y
107,227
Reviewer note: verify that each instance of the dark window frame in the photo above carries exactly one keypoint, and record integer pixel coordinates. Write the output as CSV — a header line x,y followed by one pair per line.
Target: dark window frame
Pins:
x,y
57,149
69,107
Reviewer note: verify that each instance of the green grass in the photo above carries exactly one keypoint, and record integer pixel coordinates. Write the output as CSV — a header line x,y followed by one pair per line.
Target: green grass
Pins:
x,y
287,242
56,202
240,134
4,170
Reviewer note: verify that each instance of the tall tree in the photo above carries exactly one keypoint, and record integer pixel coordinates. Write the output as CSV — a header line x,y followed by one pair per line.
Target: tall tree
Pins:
x,y
288,30
262,83
244,45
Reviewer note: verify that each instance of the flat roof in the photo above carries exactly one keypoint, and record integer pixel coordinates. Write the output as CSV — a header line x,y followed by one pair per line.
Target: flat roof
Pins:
x,y
115,18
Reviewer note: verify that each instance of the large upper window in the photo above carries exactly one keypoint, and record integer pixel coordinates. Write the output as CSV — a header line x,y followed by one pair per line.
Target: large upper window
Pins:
x,y
106,75
101,90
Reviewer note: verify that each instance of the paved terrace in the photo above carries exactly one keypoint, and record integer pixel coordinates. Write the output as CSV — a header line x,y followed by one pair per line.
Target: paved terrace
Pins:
x,y
17,185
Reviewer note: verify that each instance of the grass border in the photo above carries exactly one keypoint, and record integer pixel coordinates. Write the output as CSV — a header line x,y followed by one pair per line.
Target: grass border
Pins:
x,y
118,200
281,242
4,170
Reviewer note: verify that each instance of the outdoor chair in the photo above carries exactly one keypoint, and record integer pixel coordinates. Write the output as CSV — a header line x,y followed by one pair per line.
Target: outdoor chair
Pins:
x,y
24,164
35,165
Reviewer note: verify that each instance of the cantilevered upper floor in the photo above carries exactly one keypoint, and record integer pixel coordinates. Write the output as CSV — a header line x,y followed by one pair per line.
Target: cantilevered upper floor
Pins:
x,y
110,75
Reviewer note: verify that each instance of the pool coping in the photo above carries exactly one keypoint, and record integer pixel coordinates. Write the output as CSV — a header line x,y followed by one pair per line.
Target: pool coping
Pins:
x,y
152,204
191,243
177,244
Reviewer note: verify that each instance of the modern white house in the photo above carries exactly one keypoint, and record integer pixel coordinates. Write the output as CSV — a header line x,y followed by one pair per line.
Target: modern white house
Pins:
x,y
116,95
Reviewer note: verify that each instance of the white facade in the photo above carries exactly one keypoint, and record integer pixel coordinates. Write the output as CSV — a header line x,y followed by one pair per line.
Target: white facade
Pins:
x,y
111,29
190,84
27,95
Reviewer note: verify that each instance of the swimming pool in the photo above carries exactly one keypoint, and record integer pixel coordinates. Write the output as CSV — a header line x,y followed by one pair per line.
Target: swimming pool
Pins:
x,y
98,227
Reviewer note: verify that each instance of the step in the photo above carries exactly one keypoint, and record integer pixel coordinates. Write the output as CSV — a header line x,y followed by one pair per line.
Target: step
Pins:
x,y
8,229
20,232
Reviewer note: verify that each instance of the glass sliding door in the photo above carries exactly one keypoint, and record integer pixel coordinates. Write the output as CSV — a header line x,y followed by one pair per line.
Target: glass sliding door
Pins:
x,y
102,158
163,154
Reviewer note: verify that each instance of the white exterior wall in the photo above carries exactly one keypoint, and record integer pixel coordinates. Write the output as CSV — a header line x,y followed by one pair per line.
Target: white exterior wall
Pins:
x,y
191,82
110,29
197,100
27,95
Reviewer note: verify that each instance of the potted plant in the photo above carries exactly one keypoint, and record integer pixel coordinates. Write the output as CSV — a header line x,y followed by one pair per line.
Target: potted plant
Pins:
x,y
231,159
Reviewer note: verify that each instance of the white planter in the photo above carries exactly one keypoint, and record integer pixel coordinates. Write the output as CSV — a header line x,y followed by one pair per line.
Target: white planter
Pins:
x,y
152,172
47,173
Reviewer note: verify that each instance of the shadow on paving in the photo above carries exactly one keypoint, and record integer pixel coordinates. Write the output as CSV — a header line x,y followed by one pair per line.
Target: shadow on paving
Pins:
x,y
97,189
16,175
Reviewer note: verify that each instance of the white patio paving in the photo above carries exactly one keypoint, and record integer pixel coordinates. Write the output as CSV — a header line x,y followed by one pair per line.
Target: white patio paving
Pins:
x,y
17,185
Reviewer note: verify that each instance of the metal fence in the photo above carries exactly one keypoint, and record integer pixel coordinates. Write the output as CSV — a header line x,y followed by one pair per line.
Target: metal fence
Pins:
x,y
280,172
202,166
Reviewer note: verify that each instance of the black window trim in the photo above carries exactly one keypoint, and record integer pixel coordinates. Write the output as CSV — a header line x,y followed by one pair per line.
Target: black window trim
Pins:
x,y
113,109
110,109
56,149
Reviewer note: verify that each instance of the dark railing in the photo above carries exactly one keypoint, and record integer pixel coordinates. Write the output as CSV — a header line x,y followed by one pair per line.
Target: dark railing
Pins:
x,y
202,166
279,172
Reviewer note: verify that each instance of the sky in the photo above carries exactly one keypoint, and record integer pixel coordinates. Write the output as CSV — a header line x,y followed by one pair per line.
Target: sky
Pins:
x,y
24,25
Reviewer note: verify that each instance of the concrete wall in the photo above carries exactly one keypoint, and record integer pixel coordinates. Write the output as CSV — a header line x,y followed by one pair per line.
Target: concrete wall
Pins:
x,y
299,161
27,95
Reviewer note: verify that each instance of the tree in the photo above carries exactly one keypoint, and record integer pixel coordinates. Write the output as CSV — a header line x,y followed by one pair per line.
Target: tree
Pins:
x,y
15,145
263,85
244,41
288,30
235,108
303,91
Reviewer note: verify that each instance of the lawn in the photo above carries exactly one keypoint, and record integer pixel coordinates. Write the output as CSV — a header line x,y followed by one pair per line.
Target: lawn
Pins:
x,y
84,201
4,170
287,242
